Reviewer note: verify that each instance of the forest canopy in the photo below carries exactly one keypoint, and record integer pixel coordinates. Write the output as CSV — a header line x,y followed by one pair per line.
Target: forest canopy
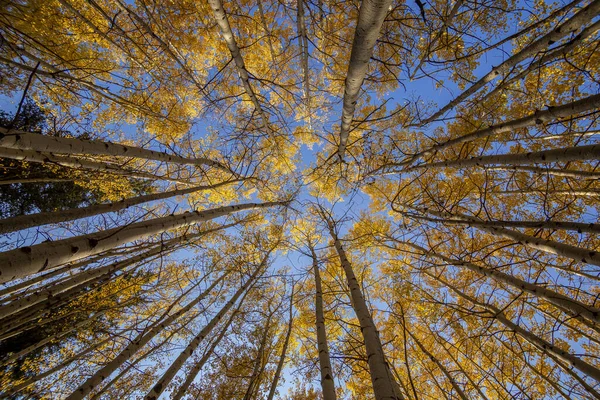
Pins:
x,y
299,199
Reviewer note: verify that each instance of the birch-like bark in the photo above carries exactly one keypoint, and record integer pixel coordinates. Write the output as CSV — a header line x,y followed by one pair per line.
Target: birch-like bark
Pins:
x,y
577,193
81,164
85,277
579,153
141,340
254,382
193,372
26,221
223,23
567,173
456,219
574,307
168,375
549,246
537,118
384,386
29,260
327,382
581,18
21,140
533,339
441,366
370,20
545,59
283,350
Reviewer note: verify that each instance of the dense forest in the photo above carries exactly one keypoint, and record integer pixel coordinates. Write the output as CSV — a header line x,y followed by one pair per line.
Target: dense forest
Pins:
x,y
299,199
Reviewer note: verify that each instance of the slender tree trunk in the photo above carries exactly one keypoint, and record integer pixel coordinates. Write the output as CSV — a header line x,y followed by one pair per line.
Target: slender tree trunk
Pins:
x,y
544,192
550,171
384,386
441,366
197,367
558,54
28,382
176,365
223,23
51,144
283,350
141,340
537,118
580,153
303,41
536,341
581,18
548,246
572,306
80,164
53,217
254,383
370,20
327,382
453,219
29,260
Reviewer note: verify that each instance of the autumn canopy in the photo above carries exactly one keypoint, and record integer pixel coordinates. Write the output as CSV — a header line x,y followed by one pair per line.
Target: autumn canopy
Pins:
x,y
299,199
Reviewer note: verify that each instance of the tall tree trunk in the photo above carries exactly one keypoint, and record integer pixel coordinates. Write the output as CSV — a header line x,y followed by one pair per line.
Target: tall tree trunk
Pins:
x,y
573,307
223,23
581,18
79,163
537,118
441,367
193,372
29,260
327,382
579,153
21,140
370,20
549,246
536,341
141,340
384,386
283,350
568,173
176,365
26,221
254,383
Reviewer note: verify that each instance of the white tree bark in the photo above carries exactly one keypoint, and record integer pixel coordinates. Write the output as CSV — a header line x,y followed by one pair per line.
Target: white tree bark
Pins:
x,y
537,118
193,372
29,260
549,246
581,18
579,153
327,382
141,340
573,307
284,349
26,221
21,140
567,173
168,375
81,164
370,20
535,340
223,23
384,385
